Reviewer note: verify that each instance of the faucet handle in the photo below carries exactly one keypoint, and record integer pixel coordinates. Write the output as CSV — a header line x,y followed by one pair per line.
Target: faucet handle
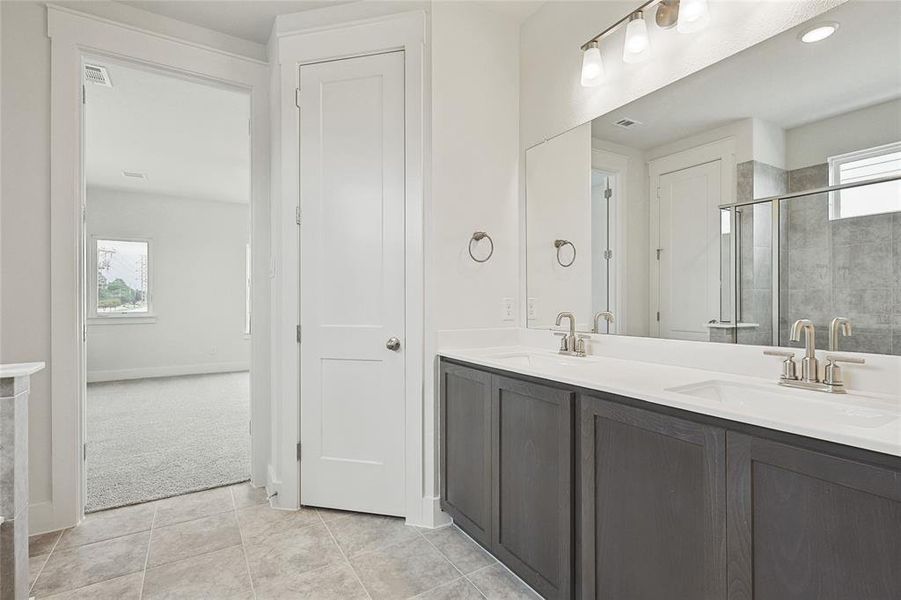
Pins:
x,y
564,340
789,367
833,373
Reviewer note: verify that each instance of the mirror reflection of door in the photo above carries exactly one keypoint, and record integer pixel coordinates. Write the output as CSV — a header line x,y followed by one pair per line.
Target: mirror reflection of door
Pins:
x,y
602,186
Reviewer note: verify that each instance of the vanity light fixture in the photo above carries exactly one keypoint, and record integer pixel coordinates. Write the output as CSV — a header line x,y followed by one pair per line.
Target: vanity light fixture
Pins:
x,y
592,65
818,32
693,16
637,47
686,15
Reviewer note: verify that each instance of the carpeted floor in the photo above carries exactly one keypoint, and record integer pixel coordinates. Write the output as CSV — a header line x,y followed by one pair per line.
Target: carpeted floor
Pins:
x,y
155,438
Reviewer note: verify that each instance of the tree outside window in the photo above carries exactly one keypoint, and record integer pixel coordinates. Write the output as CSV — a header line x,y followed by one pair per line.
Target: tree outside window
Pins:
x,y
123,274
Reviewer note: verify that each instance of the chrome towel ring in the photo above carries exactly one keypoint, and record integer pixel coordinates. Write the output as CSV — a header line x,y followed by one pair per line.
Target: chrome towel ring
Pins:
x,y
477,237
560,244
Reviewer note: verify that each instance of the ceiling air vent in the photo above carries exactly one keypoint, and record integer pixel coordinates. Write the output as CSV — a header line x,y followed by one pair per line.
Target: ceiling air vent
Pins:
x,y
97,74
627,123
135,175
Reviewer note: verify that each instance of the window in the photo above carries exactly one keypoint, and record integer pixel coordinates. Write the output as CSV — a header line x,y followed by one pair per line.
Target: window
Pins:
x,y
123,277
865,165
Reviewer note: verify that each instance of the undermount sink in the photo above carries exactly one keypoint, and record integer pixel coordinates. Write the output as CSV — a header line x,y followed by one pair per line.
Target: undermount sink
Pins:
x,y
537,360
850,409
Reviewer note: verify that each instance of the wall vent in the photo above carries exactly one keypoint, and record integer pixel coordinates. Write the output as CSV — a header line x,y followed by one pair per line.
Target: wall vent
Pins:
x,y
97,74
135,175
627,123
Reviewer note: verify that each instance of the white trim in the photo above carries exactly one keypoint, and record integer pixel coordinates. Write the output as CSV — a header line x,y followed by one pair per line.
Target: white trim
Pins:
x,y
166,371
74,35
403,31
835,164
722,150
617,164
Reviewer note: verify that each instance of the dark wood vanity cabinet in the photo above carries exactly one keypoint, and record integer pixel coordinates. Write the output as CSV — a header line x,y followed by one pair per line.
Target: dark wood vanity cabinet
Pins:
x,y
806,525
507,472
598,497
653,505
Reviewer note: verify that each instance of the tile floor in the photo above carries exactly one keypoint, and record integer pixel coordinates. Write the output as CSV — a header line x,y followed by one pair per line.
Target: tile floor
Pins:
x,y
226,543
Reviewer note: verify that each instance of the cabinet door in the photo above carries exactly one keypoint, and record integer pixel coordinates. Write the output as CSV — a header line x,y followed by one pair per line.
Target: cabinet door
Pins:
x,y
466,449
807,525
532,501
653,522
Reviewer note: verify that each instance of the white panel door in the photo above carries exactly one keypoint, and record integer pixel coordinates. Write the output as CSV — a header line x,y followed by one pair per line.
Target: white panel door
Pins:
x,y
352,283
689,251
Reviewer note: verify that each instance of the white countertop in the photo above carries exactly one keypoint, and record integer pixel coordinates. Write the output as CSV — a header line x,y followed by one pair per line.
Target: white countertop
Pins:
x,y
20,369
864,420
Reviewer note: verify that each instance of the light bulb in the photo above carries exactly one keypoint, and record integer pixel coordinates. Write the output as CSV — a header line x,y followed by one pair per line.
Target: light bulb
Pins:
x,y
637,46
693,16
592,65
818,32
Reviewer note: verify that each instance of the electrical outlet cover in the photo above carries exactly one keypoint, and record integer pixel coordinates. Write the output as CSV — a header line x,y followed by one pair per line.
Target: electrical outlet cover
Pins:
x,y
508,309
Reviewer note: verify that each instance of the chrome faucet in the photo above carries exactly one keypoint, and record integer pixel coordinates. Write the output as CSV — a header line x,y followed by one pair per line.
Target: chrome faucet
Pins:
x,y
810,368
569,344
606,315
832,381
839,324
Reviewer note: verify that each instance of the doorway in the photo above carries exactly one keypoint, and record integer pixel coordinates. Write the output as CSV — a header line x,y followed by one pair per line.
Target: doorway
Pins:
x,y
353,288
167,275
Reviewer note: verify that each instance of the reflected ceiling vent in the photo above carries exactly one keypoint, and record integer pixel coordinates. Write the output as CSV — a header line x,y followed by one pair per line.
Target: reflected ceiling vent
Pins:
x,y
627,123
97,74
135,175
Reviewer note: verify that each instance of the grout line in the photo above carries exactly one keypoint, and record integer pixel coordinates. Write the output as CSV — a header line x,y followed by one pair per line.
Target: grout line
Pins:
x,y
346,559
147,556
462,574
41,570
253,590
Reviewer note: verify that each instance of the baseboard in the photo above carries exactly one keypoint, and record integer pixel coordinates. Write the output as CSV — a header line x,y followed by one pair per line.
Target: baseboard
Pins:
x,y
166,371
432,517
41,518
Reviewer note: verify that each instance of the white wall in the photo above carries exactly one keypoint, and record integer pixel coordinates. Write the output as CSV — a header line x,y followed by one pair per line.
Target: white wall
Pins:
x,y
553,100
558,205
475,121
197,287
814,143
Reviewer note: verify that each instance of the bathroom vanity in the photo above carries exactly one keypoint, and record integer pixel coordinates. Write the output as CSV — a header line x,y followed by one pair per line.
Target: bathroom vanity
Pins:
x,y
603,478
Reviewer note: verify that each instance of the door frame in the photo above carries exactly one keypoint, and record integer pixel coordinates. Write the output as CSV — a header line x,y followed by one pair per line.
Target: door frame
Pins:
x,y
317,43
617,164
722,150
75,35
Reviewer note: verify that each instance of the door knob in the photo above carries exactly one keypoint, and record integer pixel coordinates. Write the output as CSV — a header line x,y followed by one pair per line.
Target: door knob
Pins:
x,y
393,344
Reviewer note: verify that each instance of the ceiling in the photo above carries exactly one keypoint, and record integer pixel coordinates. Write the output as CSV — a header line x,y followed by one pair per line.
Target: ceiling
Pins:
x,y
252,19
780,80
189,137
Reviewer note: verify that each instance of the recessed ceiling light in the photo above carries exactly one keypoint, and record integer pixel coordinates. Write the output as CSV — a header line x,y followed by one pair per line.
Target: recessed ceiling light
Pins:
x,y
818,32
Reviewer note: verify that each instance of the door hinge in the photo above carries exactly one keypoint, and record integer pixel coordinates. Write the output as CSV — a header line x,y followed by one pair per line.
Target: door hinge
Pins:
x,y
84,451
659,250
84,333
297,215
658,193
298,334
84,96
658,315
297,97
250,427
608,193
299,453
608,254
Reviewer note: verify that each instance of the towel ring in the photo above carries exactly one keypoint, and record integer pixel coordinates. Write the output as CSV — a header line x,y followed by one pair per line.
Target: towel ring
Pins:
x,y
560,244
478,236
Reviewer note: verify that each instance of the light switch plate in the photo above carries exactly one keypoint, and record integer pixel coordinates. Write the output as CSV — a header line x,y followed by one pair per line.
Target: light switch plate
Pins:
x,y
507,309
532,309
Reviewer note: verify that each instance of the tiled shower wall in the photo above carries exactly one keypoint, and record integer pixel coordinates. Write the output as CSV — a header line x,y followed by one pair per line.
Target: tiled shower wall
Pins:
x,y
847,267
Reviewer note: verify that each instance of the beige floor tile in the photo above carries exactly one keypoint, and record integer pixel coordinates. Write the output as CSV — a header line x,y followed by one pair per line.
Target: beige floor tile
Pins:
x,y
403,570
261,521
245,494
72,568
42,543
336,582
220,575
496,583
358,533
291,553
35,564
330,514
107,524
183,540
193,506
121,588
464,553
460,589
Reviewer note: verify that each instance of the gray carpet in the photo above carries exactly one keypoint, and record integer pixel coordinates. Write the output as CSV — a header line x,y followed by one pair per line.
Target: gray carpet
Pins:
x,y
155,438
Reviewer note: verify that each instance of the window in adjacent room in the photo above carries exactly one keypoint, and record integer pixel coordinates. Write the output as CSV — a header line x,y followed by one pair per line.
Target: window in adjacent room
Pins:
x,y
865,165
123,277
